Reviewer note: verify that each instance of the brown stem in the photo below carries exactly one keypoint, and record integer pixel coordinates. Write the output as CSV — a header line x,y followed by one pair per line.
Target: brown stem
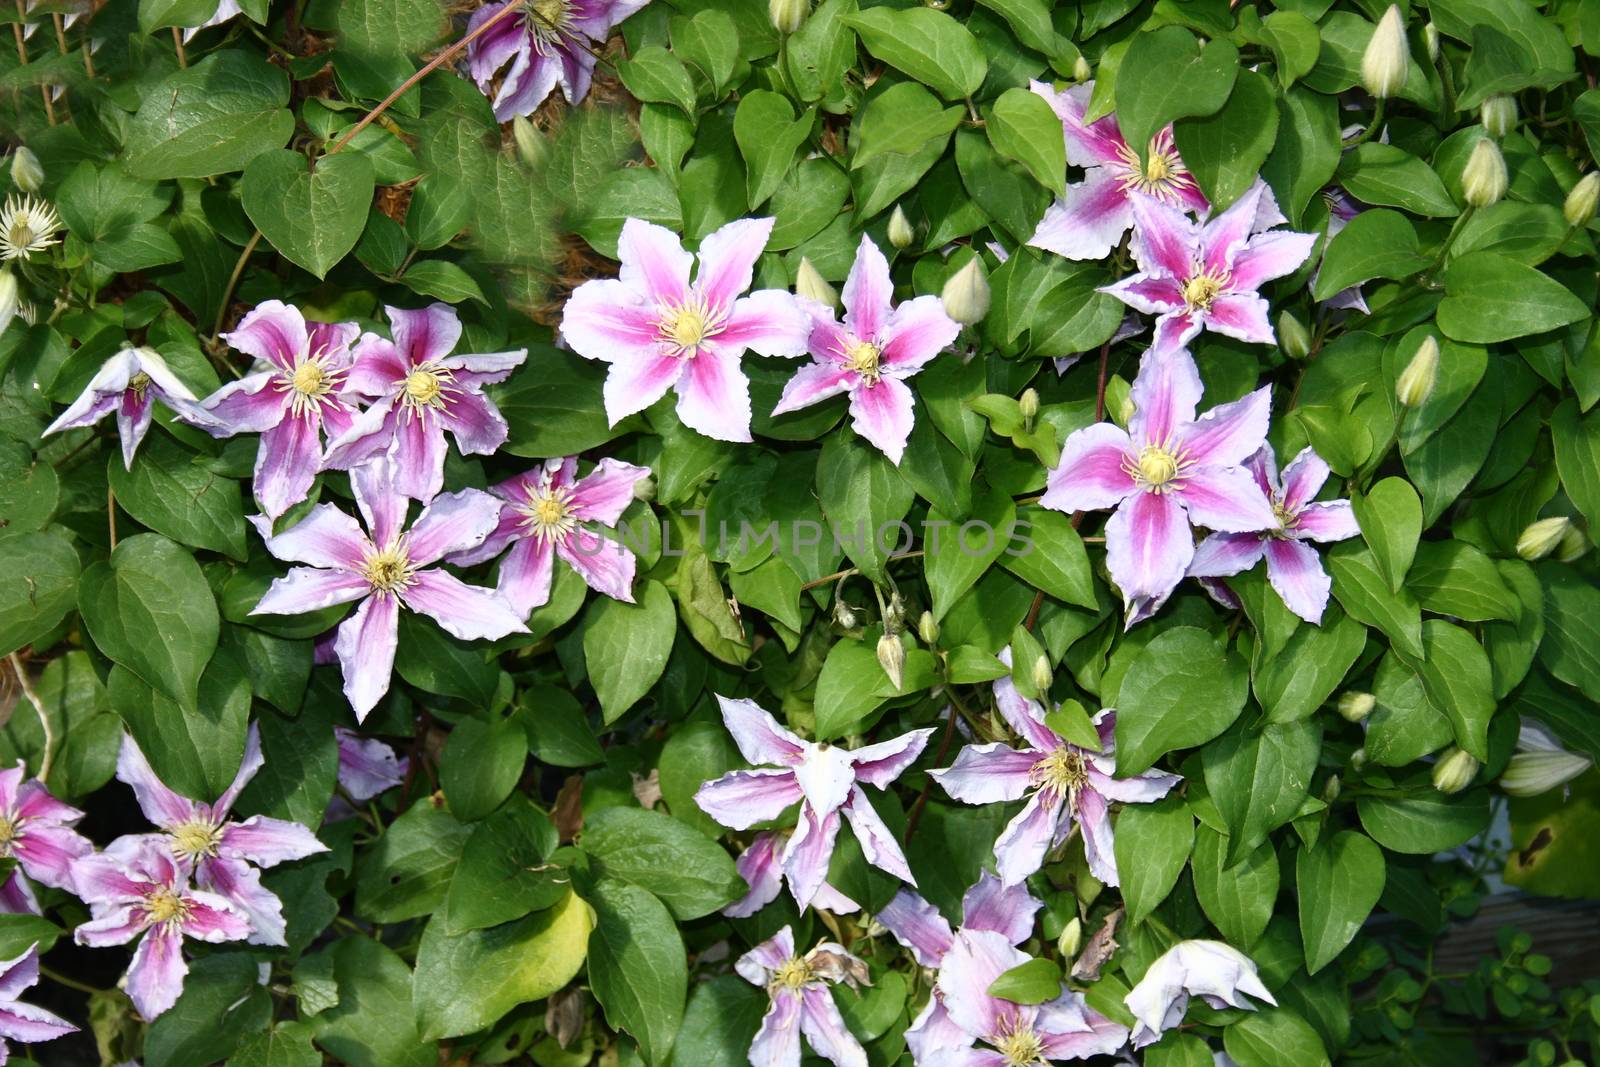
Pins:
x,y
944,751
836,575
111,515
177,43
22,58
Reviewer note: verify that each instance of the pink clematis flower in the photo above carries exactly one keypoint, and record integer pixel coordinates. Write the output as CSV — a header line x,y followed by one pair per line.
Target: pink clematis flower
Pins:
x,y
540,520
1090,221
1168,470
301,393
1063,783
24,1022
222,854
801,1002
136,886
917,924
1292,565
1196,276
367,766
1018,1035
872,353
129,383
761,866
418,391
659,332
552,42
390,568
825,779
1215,972
36,831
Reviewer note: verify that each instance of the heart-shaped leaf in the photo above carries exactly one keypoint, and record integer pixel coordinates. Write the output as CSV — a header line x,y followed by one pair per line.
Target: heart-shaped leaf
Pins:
x,y
313,217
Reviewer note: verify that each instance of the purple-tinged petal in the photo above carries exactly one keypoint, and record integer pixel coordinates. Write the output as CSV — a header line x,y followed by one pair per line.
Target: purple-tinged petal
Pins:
x,y
100,880
1174,331
1295,571
757,733
964,1057
1165,395
1222,238
367,766
452,522
757,965
633,385
1089,221
1164,239
1093,472
988,774
880,764
654,263
240,885
1089,144
1228,434
1263,467
883,413
1243,316
19,973
326,537
1027,839
1269,256
273,332
918,926
253,404
30,1024
212,919
1094,820
608,320
1104,1037
1024,716
740,799
917,331
365,646
1223,555
475,423
769,322
933,1034
1148,548
605,566
805,858
1225,499
1007,910
424,334
133,422
976,958
101,396
728,260
814,383
33,801
525,575
828,898
111,925
11,779
758,865
826,775
306,589
1139,789
155,978
1303,479
605,492
286,464
1326,520
47,853
474,370
378,368
367,435
267,842
868,292
381,505
877,841
825,1031
467,612
777,1042
160,804
714,395
418,454
1153,294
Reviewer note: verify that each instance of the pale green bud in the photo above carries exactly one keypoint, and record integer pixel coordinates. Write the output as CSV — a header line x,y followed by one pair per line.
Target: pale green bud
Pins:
x,y
531,148
1043,676
1484,180
1358,759
1454,771
892,658
1416,382
1384,63
928,628
1580,203
645,489
1355,706
901,232
1573,545
10,301
1292,337
966,294
1071,939
1430,41
1029,403
1528,774
1331,791
1542,537
813,286
1081,71
26,171
1498,115
787,15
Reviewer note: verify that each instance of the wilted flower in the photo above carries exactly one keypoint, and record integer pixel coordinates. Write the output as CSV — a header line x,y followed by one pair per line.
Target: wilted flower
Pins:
x,y
549,42
1091,219
1578,208
1542,537
1540,763
301,393
801,1001
1387,59
1064,785
892,658
1454,770
1217,973
36,831
1355,706
659,332
900,233
1197,276
129,383
26,172
1167,470
367,766
761,867
27,225
391,567
419,390
1416,382
966,294
541,519
24,1022
222,854
137,887
871,354
824,778
1293,567
1484,181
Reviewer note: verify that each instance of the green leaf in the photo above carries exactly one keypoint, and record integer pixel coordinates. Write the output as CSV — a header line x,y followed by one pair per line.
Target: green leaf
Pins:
x,y
312,217
1363,592
721,1021
928,45
1225,151
709,40
850,687
1049,554
1258,779
768,135
175,492
1307,149
1491,298
1033,982
211,119
901,120
626,646
301,765
406,874
960,551
1454,578
38,586
864,498
1338,884
436,662
1293,683
558,731
637,968
159,14
656,75
151,586
688,871
1455,674
1180,691
1024,127
1571,647
554,406
1392,177
369,1024
443,280
1577,444
504,873
389,27
1375,244
1295,42
221,1001
481,765
1239,899
1274,1037
1425,821
1390,516
466,982
1192,81
1152,846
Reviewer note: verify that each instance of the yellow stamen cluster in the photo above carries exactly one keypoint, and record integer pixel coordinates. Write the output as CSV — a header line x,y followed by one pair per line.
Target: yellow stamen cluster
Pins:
x,y
139,383
791,975
310,382
164,906
1063,771
27,225
195,839
864,357
683,328
548,513
1203,288
1020,1046
1157,468
550,20
9,829
388,570
1162,175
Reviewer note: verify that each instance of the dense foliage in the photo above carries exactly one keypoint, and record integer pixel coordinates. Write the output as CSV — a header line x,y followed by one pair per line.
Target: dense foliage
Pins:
x,y
965,534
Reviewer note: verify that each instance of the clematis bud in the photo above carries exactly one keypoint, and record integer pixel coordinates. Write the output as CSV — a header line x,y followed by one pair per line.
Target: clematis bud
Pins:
x,y
645,488
1430,41
1580,202
901,233
928,628
1355,706
1358,759
892,658
1542,537
531,148
1484,180
1071,939
1573,545
1292,337
844,615
1499,115
1043,676
966,294
1384,64
9,300
1331,791
1540,767
787,15
1455,771
1416,382
1028,403
26,172
813,286
1081,71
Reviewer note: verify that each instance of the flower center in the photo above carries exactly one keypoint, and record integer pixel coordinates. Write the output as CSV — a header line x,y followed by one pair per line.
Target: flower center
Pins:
x,y
9,831
139,383
388,569
1020,1046
1162,175
1287,521
1201,289
685,327
308,379
792,974
1063,771
164,906
550,20
549,513
21,233
1158,467
422,387
195,838
864,357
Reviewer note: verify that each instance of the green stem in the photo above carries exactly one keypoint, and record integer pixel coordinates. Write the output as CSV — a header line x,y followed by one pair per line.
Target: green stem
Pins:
x,y
1372,127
